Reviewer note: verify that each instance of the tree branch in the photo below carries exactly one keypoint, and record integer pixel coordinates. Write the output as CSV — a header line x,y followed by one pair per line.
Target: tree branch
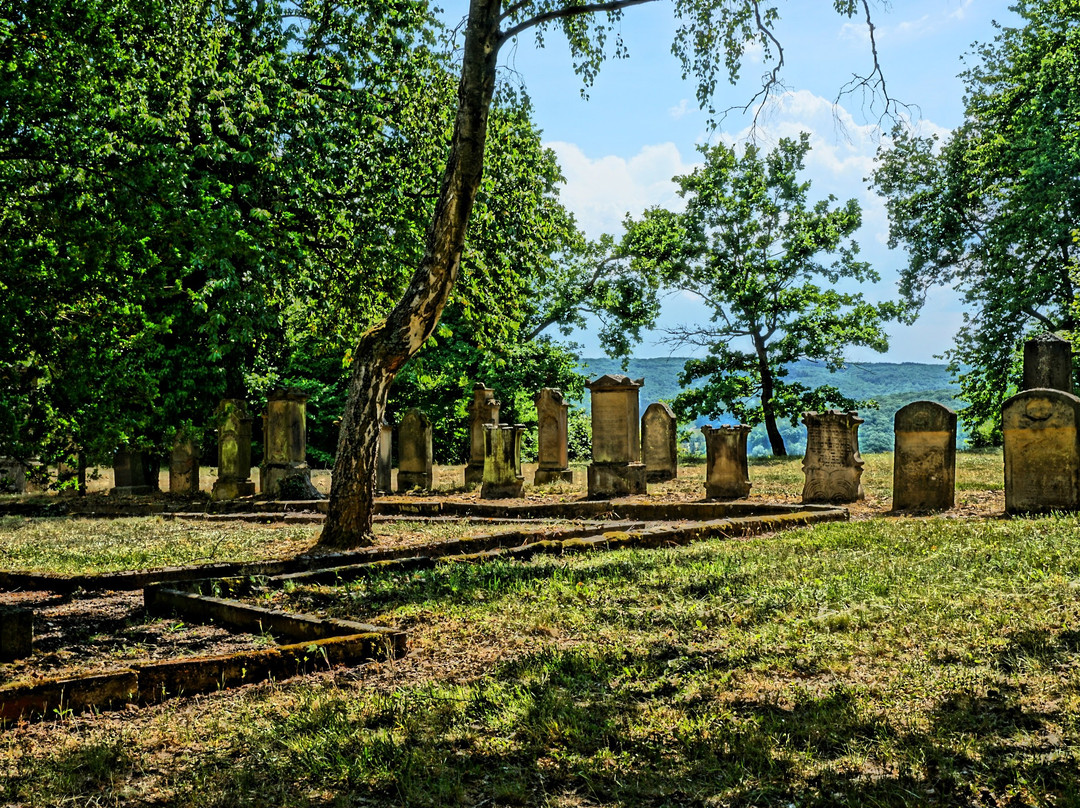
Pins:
x,y
563,13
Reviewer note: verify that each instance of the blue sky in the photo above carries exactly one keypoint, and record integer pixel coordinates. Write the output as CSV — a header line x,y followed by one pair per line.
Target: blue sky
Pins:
x,y
640,125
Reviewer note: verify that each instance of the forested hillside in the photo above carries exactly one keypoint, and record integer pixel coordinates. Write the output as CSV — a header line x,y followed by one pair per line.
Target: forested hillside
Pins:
x,y
890,384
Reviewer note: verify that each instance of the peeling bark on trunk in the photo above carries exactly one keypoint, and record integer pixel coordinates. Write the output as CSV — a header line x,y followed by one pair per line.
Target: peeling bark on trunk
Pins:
x,y
384,349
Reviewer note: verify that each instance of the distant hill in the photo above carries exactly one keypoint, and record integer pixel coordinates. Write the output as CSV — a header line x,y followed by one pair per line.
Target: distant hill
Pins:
x,y
890,384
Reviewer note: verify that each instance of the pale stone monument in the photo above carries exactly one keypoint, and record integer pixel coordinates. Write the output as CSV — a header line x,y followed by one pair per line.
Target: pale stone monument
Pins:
x,y
832,464
285,446
659,443
616,469
384,464
483,412
1048,363
1042,458
184,466
414,452
553,463
924,457
134,473
12,476
727,471
234,451
502,461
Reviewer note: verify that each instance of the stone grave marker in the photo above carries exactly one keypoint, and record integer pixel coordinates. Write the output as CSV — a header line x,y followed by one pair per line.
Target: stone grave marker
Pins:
x,y
659,443
184,466
616,469
1042,457
414,452
384,465
502,461
832,465
1048,363
285,447
924,457
234,452
134,473
727,471
12,476
483,412
553,462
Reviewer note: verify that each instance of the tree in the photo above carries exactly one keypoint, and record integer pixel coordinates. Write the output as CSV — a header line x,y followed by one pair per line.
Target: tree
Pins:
x,y
992,210
712,38
750,245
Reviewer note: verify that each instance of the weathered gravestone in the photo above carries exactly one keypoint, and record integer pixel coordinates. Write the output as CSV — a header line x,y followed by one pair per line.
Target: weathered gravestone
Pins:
x,y
483,412
659,443
285,448
16,633
924,457
616,469
502,461
553,463
184,466
1048,363
384,464
12,476
1042,457
727,471
414,452
832,464
134,473
234,451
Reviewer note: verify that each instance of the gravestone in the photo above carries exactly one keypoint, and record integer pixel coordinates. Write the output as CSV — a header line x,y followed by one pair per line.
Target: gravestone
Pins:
x,y
832,465
184,466
414,452
659,445
1042,458
384,465
1048,363
502,461
483,412
553,464
924,457
616,469
134,473
285,447
234,451
727,471
12,476
16,633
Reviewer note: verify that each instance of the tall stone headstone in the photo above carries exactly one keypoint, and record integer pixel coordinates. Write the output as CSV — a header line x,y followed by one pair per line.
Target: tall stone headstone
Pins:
x,y
552,414
134,473
1042,455
483,412
502,461
832,464
924,457
384,465
415,468
727,471
659,443
616,469
1048,363
234,451
184,466
285,446
12,476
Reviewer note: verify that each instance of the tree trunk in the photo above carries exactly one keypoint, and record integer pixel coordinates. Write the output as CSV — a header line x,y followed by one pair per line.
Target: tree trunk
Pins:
x,y
384,349
776,440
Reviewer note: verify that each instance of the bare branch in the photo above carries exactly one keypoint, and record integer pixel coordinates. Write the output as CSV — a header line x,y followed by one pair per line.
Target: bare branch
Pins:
x,y
567,11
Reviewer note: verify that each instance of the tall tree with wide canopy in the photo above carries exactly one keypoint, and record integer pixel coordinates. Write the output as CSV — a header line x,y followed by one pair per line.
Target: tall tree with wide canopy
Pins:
x,y
711,39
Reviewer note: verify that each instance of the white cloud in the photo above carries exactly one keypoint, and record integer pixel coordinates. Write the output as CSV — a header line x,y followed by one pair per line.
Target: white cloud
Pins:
x,y
679,111
908,30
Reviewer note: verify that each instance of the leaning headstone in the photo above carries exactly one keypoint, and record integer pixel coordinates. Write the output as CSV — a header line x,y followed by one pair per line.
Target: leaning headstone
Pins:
x,y
285,446
616,469
1048,363
384,465
12,476
483,412
924,457
727,471
659,443
234,451
553,464
184,466
1042,458
502,461
16,633
832,464
414,452
134,473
